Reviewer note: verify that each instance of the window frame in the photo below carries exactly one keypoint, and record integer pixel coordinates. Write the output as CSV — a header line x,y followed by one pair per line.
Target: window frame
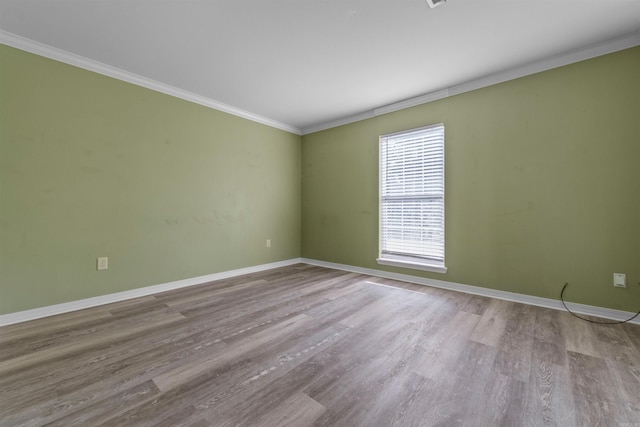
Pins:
x,y
416,261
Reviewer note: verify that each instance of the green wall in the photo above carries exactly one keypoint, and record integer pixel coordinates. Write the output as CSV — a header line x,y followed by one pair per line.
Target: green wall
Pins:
x,y
542,184
167,189
542,180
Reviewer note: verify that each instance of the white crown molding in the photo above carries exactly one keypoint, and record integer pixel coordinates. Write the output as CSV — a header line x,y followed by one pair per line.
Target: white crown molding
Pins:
x,y
50,52
589,310
422,99
577,55
52,310
573,56
338,122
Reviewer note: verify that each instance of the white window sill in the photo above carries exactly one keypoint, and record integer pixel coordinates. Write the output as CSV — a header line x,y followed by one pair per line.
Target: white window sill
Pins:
x,y
413,264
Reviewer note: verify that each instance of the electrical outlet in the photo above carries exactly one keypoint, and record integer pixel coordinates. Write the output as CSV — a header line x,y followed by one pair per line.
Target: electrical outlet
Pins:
x,y
103,263
619,280
268,243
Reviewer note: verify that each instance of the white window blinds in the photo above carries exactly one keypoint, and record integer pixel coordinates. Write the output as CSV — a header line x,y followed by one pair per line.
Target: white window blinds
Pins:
x,y
412,194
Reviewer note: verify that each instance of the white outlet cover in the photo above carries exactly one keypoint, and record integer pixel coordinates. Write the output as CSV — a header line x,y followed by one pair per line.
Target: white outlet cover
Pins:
x,y
620,280
103,263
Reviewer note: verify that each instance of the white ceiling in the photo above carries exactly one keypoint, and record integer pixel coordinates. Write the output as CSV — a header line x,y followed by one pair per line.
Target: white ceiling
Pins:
x,y
306,63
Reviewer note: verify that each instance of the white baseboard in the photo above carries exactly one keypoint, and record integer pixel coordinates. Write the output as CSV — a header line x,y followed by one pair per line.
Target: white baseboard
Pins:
x,y
556,304
37,313
51,310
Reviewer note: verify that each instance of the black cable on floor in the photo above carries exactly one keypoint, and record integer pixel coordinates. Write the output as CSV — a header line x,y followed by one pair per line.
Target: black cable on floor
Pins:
x,y
589,320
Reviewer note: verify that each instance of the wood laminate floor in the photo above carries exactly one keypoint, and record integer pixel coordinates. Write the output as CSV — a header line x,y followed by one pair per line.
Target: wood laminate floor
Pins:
x,y
305,345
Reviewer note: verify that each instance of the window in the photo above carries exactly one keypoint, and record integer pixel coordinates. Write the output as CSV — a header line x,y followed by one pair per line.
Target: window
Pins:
x,y
412,199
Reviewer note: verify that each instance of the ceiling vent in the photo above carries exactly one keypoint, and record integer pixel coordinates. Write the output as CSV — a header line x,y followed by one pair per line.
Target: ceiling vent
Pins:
x,y
434,3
